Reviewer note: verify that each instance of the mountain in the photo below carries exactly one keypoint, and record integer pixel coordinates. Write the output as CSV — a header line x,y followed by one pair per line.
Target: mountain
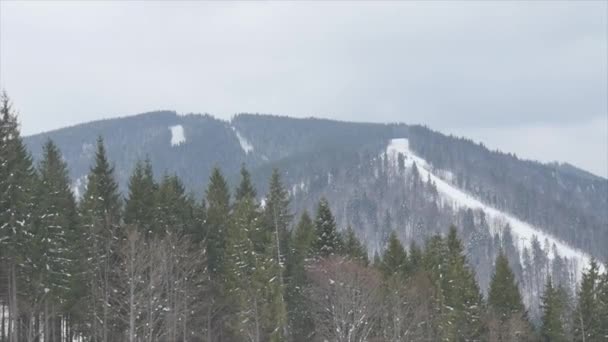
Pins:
x,y
550,219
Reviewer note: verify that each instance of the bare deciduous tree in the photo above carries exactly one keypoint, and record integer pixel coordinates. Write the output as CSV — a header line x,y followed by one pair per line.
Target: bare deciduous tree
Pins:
x,y
347,297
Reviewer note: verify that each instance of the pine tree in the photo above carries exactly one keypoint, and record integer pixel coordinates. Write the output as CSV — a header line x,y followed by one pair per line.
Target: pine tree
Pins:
x,y
299,310
603,303
218,210
394,260
277,215
415,258
55,260
252,275
140,205
553,308
327,238
462,295
175,211
100,214
435,262
587,325
17,202
504,297
353,248
507,310
245,188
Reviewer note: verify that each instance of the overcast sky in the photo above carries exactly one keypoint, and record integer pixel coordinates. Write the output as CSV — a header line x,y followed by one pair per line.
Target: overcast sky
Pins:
x,y
523,77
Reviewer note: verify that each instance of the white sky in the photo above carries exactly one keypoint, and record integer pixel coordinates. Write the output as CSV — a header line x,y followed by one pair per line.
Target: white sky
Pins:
x,y
523,77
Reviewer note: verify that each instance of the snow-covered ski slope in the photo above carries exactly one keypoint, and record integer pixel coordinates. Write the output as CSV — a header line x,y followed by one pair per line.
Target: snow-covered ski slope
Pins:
x,y
245,144
177,135
523,232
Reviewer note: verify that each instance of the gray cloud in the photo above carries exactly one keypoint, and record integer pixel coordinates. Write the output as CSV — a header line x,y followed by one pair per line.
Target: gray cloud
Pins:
x,y
459,67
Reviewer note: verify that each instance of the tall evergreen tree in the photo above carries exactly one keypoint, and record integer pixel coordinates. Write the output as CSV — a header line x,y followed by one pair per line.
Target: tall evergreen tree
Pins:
x,y
553,306
587,325
17,202
56,228
504,297
252,274
140,205
277,215
175,210
218,210
100,214
299,310
328,240
394,260
462,295
603,302
245,188
353,248
509,318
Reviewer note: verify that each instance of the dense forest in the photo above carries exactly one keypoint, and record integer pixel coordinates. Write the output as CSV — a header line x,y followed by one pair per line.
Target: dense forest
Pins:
x,y
163,264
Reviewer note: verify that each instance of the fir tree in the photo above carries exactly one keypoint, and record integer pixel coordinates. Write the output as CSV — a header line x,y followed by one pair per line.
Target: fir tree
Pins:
x,y
17,202
415,257
141,203
56,230
245,188
100,214
218,210
299,310
553,308
353,248
327,238
507,316
504,297
175,211
587,325
394,260
603,303
462,296
277,215
252,276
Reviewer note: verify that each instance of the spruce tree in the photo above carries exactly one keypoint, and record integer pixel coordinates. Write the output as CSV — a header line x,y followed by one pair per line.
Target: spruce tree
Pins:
x,y
56,228
277,215
415,258
17,202
353,248
100,214
587,325
553,306
504,297
462,295
509,317
299,309
218,210
245,188
603,303
252,274
394,261
140,205
328,240
175,210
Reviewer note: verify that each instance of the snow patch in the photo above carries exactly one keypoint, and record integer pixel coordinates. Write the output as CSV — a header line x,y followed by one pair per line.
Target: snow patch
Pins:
x,y
245,145
523,232
177,135
77,185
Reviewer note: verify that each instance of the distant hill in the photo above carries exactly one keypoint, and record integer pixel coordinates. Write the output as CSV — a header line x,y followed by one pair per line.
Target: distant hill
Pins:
x,y
379,178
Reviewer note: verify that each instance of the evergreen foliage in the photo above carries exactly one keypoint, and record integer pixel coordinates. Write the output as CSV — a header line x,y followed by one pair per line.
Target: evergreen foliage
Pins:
x,y
328,240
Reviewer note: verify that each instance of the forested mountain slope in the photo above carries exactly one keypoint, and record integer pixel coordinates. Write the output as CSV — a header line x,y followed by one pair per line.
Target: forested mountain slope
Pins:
x,y
378,178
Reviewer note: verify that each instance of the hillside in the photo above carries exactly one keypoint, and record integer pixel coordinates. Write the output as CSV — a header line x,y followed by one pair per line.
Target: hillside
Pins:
x,y
549,218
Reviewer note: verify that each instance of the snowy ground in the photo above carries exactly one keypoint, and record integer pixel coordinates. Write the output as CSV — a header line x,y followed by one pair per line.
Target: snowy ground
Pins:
x,y
177,135
523,232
